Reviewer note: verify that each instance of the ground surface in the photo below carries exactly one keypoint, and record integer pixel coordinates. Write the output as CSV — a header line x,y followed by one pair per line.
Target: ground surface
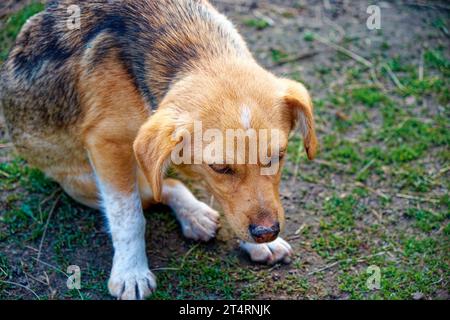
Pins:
x,y
376,196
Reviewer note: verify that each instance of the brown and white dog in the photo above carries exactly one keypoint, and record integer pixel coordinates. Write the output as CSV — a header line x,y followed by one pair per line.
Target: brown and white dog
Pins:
x,y
97,109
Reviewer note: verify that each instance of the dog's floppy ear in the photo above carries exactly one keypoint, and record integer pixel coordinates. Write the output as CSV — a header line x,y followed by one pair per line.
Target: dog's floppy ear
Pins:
x,y
153,145
299,102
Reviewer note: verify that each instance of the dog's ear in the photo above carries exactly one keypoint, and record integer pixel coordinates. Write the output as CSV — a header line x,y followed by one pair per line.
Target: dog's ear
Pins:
x,y
153,146
299,102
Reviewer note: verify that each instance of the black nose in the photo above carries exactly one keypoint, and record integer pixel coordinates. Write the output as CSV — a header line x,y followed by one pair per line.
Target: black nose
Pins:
x,y
264,234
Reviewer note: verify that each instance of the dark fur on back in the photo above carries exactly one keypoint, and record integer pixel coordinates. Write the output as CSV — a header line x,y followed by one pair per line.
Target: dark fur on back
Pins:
x,y
155,41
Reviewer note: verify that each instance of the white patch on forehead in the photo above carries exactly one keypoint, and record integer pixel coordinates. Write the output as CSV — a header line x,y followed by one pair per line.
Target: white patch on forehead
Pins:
x,y
246,117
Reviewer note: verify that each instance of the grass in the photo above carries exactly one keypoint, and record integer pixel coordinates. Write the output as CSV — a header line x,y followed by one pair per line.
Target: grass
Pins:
x,y
13,25
278,55
420,273
200,275
377,196
258,24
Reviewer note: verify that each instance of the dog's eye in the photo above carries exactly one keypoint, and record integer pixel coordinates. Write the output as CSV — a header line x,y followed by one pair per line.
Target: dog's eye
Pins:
x,y
222,169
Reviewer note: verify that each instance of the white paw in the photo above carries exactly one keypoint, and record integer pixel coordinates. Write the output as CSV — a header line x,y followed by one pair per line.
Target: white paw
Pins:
x,y
198,221
132,284
269,253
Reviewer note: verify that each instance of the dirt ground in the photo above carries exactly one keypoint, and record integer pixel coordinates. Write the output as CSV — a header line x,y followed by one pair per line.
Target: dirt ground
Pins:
x,y
376,196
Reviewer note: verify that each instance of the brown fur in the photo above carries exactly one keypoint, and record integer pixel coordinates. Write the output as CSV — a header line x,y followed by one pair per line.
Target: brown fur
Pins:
x,y
77,98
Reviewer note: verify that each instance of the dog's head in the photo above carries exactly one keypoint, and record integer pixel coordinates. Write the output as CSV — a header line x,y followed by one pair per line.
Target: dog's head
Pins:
x,y
231,131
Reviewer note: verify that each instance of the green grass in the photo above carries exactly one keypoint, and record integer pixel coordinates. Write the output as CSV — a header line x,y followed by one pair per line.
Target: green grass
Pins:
x,y
436,59
258,24
278,55
200,275
370,97
416,269
4,271
419,261
13,25
415,264
426,220
308,36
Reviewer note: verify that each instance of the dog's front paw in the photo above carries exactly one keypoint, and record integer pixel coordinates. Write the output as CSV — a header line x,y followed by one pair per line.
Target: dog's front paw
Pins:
x,y
198,221
269,253
132,284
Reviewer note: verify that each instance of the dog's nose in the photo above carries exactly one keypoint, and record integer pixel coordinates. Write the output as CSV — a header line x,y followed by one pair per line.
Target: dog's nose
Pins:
x,y
264,234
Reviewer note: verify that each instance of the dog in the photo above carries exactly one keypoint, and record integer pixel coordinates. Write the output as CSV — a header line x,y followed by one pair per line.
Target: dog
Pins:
x,y
99,108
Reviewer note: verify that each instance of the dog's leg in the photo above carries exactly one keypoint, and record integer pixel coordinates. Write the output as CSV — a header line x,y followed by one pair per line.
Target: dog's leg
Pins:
x,y
272,252
198,221
115,171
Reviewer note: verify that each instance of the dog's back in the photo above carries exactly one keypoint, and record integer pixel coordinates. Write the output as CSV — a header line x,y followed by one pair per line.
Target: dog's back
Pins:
x,y
155,41
43,92
59,79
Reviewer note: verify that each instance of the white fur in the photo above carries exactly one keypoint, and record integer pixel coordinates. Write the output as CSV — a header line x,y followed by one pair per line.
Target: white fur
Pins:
x,y
230,30
276,251
130,276
198,221
246,117
224,22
